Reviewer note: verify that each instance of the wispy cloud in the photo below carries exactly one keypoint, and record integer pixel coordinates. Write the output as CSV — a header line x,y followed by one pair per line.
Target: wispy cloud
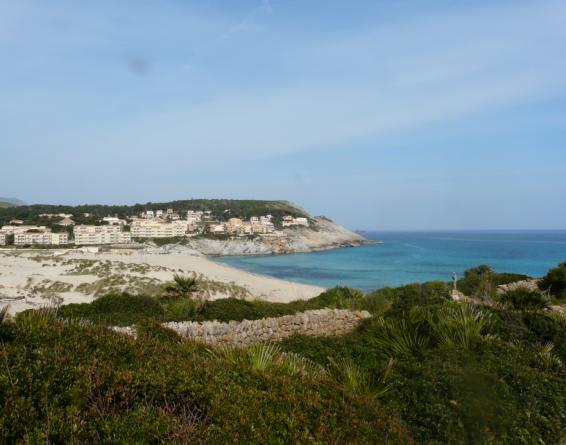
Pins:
x,y
392,78
259,81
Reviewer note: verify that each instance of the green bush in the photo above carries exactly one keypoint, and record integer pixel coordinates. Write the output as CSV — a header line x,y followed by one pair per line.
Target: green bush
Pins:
x,y
460,325
70,383
116,309
227,309
482,281
462,374
555,281
523,298
151,329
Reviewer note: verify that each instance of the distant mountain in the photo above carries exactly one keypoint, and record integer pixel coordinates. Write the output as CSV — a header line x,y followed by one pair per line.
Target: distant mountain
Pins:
x,y
11,202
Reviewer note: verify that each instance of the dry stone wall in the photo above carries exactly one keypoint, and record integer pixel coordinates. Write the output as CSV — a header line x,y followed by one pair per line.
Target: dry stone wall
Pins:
x,y
322,322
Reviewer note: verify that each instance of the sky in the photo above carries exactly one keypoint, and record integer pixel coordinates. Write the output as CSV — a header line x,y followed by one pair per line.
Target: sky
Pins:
x,y
405,115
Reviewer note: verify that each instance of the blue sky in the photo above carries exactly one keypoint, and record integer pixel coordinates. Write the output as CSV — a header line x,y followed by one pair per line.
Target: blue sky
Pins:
x,y
386,115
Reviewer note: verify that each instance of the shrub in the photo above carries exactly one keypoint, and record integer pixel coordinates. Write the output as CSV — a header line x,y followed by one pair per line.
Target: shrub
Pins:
x,y
227,309
398,337
336,298
87,384
523,298
179,309
461,325
482,281
151,329
555,281
359,381
115,309
182,286
406,297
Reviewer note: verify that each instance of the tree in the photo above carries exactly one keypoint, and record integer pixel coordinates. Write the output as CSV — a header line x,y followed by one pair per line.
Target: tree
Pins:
x,y
555,281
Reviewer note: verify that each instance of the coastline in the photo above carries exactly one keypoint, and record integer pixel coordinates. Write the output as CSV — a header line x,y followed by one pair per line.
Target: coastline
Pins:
x,y
34,278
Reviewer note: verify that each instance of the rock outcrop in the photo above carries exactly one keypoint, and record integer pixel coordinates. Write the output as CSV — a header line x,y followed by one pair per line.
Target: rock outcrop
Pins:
x,y
532,285
323,234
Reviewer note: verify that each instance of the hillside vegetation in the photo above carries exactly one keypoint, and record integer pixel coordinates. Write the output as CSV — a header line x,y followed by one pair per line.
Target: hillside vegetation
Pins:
x,y
222,209
422,369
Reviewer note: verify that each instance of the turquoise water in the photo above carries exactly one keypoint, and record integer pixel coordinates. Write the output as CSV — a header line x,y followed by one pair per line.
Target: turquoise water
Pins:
x,y
408,257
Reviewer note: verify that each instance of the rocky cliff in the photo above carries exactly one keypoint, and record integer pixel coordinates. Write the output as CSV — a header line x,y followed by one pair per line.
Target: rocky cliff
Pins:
x,y
323,234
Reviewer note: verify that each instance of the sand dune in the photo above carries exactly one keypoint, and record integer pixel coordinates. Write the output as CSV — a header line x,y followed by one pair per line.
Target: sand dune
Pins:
x,y
32,278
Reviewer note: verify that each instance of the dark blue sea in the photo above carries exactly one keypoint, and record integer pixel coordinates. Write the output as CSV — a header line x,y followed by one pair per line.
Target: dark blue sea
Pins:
x,y
409,257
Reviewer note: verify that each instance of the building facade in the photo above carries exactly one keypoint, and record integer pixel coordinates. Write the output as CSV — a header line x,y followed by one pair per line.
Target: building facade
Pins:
x,y
155,229
40,238
92,235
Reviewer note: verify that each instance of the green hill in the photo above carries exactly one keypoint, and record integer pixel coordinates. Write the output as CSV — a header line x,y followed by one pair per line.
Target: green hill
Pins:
x,y
222,209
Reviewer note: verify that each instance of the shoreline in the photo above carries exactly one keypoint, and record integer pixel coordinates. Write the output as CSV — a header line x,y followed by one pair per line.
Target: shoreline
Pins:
x,y
290,252
33,278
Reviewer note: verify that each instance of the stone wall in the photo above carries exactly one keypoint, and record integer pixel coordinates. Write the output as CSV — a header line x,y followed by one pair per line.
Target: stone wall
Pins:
x,y
322,322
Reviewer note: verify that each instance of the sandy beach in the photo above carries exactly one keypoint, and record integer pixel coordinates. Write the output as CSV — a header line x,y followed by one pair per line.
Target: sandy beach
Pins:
x,y
35,278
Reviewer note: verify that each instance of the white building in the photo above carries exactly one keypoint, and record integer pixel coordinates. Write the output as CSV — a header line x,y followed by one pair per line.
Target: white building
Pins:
x,y
42,238
12,230
193,216
289,221
216,228
157,229
114,220
56,215
3,239
92,235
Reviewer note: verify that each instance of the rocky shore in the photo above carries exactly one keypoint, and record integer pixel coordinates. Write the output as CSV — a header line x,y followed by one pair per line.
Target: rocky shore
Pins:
x,y
323,234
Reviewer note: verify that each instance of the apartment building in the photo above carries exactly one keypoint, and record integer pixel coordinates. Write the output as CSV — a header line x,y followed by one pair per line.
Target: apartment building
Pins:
x,y
261,228
12,230
289,221
156,229
216,228
114,220
40,238
194,216
93,235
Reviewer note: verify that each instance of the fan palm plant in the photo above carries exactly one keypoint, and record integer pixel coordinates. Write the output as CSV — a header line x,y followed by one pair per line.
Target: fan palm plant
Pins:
x,y
3,314
461,325
182,286
399,337
360,381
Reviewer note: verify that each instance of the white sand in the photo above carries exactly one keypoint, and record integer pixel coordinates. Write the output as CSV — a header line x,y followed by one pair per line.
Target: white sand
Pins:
x,y
19,268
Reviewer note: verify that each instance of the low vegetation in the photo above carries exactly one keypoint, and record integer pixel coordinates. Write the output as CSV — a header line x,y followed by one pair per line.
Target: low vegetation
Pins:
x,y
422,369
554,282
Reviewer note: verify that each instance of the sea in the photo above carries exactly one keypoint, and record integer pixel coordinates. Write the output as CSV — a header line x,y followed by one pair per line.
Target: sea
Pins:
x,y
410,257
